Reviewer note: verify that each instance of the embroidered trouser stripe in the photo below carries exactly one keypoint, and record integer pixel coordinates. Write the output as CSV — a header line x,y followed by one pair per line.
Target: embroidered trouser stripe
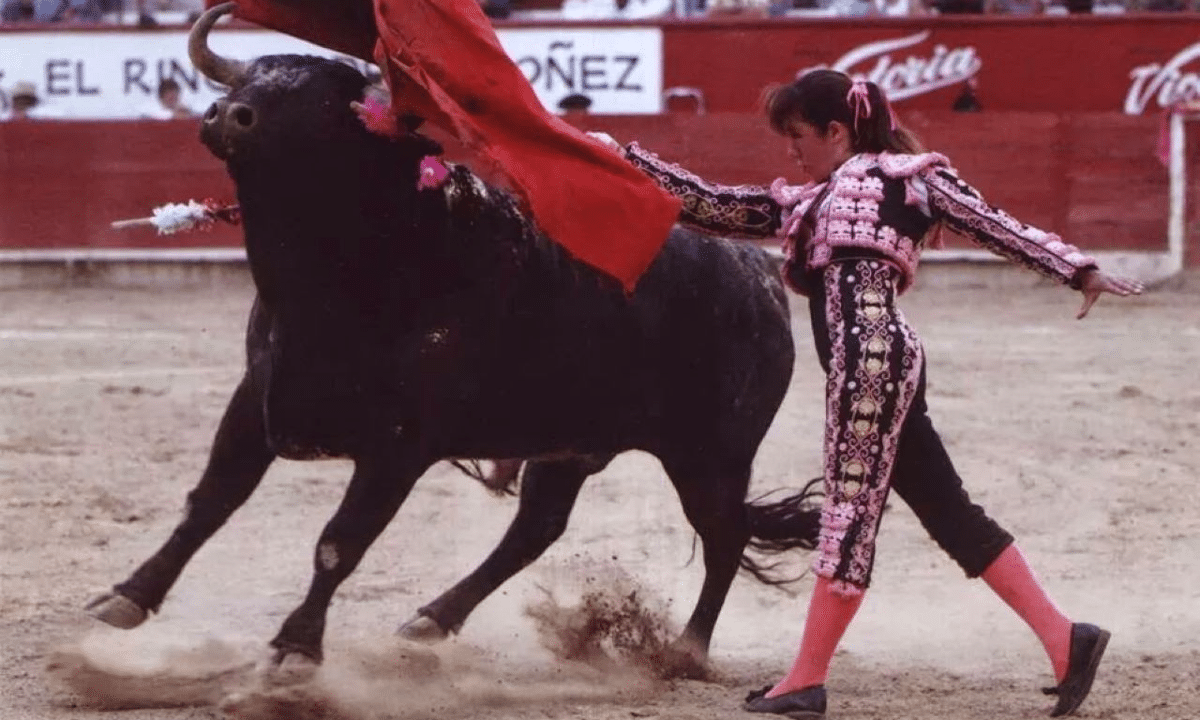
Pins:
x,y
874,369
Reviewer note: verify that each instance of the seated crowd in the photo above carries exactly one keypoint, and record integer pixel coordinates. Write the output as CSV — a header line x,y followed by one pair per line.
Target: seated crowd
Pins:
x,y
153,13
143,13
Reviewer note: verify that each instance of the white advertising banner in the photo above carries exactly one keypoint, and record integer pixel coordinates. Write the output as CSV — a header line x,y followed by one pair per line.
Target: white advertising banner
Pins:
x,y
619,69
116,74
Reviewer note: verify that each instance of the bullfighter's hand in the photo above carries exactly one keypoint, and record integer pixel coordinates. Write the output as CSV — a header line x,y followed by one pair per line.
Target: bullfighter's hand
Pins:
x,y
607,141
1096,282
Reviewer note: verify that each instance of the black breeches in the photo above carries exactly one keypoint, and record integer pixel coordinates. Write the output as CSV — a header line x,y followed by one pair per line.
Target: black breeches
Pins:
x,y
925,478
878,433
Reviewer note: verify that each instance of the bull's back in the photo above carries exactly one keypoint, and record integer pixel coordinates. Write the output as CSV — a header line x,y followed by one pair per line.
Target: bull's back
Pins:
x,y
724,345
704,342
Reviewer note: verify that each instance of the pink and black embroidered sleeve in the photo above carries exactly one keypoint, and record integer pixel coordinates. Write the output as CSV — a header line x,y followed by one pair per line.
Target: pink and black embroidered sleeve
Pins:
x,y
963,209
746,211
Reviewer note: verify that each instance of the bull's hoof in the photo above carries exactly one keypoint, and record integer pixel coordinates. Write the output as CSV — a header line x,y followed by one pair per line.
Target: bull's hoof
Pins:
x,y
685,667
116,610
422,629
287,668
684,660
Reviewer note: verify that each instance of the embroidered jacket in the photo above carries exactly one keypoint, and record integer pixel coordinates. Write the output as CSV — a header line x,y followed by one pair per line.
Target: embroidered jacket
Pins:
x,y
887,203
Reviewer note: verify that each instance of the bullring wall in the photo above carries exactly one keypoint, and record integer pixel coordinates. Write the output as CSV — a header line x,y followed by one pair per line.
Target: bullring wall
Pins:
x,y
1094,177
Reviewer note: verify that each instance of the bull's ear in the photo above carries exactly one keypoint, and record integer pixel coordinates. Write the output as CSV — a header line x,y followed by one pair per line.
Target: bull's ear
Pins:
x,y
430,146
411,122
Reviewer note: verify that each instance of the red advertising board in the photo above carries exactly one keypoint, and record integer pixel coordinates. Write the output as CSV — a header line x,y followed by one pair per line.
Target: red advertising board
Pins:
x,y
1130,63
1134,63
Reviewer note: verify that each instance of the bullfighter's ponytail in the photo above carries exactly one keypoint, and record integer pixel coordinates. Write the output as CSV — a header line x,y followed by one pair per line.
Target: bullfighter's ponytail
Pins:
x,y
822,96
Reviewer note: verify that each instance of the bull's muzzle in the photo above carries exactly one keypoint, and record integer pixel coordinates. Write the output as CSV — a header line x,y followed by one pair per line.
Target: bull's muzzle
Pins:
x,y
226,125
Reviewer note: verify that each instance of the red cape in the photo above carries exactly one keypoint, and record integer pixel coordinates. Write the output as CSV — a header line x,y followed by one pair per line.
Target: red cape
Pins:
x,y
443,62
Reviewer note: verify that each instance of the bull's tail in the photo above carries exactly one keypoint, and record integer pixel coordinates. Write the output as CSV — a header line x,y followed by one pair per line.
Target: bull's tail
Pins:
x,y
776,527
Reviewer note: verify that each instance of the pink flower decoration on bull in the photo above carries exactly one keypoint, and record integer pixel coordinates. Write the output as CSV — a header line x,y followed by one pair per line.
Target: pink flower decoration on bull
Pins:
x,y
431,173
376,116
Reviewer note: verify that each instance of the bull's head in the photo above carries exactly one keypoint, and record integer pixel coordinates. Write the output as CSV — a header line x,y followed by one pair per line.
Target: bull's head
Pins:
x,y
281,105
327,204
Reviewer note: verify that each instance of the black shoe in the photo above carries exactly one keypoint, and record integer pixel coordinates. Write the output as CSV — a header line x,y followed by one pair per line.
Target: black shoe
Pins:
x,y
806,704
1087,647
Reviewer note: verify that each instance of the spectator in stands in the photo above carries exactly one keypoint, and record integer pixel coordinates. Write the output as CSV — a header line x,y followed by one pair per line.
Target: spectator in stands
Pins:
x,y
145,19
615,9
148,10
957,7
968,100
46,11
82,11
901,8
167,105
853,8
496,9
15,11
1015,7
23,100
1166,5
738,7
779,8
574,105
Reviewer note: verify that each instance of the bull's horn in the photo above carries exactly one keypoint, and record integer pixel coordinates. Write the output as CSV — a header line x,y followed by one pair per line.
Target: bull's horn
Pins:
x,y
215,68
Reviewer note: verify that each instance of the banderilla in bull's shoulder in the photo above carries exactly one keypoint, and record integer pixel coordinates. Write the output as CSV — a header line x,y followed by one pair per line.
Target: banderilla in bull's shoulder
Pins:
x,y
180,217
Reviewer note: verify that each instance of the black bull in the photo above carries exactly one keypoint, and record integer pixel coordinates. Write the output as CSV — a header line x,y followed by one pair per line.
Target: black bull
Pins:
x,y
397,327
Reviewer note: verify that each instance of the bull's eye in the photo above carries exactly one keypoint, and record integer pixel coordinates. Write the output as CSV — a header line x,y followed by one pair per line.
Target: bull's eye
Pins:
x,y
211,113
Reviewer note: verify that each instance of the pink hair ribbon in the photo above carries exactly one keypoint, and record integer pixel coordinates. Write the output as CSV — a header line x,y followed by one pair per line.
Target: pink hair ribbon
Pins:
x,y
859,101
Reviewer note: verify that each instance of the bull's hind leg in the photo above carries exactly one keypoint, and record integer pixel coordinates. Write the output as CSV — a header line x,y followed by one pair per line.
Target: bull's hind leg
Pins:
x,y
548,492
713,498
378,488
237,462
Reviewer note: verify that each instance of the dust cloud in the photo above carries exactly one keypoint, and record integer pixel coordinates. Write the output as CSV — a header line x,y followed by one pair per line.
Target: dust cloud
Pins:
x,y
609,646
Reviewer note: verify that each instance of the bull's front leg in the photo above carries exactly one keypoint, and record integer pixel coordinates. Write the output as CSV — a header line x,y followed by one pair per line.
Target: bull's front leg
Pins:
x,y
379,486
238,460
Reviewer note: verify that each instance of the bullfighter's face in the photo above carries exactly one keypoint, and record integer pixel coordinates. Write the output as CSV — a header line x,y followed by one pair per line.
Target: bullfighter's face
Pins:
x,y
818,152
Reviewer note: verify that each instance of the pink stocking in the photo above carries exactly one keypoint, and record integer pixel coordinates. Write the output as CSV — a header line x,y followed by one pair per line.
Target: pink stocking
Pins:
x,y
829,614
1010,577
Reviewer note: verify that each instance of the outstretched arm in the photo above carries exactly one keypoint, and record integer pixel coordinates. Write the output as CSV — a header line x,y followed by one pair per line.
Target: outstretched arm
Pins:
x,y
1096,282
746,211
963,209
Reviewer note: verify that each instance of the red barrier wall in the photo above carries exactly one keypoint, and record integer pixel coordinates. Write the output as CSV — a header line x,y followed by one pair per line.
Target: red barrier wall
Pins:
x,y
1084,63
65,182
1092,177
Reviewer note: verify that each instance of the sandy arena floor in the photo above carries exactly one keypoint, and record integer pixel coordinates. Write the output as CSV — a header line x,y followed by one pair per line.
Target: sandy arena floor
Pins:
x,y
1081,437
